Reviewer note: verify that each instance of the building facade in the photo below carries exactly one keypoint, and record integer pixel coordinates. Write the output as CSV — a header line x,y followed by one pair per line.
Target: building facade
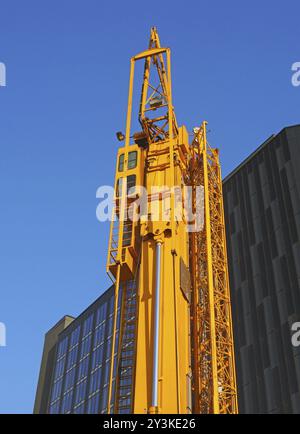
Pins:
x,y
262,214
81,355
47,364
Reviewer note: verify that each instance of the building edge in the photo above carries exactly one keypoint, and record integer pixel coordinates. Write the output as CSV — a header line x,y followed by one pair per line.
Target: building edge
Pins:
x,y
46,369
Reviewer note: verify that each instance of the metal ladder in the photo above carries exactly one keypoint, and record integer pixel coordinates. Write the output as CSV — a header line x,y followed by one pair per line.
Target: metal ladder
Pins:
x,y
126,361
114,238
127,228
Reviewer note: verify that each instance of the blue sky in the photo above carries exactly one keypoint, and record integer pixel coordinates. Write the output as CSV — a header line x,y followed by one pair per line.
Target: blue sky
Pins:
x,y
67,66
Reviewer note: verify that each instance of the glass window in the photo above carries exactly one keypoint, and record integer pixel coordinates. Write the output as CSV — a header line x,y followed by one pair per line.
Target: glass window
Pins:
x,y
54,408
99,335
79,410
131,181
95,381
75,337
103,400
97,358
110,325
121,163
132,159
62,347
108,348
69,379
87,325
59,369
106,373
111,305
83,369
119,187
80,392
101,313
56,390
85,346
93,404
72,358
67,402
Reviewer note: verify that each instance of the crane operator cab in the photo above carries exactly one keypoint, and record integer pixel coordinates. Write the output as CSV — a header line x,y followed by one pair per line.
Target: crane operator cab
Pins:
x,y
124,234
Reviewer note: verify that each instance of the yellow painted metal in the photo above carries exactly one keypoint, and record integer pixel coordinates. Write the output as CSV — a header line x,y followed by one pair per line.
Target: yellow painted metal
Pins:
x,y
149,53
210,277
118,259
174,362
173,354
127,254
213,351
113,341
195,344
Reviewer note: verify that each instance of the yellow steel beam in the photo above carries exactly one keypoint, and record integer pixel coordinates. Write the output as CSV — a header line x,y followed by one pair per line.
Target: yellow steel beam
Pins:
x,y
215,397
149,53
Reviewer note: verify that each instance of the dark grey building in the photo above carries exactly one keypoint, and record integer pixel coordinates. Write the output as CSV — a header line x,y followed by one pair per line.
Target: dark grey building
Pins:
x,y
48,361
75,368
262,213
78,374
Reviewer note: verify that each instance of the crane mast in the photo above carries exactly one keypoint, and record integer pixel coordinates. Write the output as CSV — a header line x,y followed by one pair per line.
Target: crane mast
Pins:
x,y
172,338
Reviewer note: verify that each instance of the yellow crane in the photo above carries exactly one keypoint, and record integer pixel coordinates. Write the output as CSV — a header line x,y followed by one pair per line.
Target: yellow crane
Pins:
x,y
172,327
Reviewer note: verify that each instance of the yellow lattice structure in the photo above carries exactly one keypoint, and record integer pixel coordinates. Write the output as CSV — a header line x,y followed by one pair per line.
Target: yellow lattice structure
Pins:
x,y
212,338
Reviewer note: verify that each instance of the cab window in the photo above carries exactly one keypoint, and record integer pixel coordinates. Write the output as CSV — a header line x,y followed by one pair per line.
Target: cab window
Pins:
x,y
119,187
131,182
132,159
121,163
